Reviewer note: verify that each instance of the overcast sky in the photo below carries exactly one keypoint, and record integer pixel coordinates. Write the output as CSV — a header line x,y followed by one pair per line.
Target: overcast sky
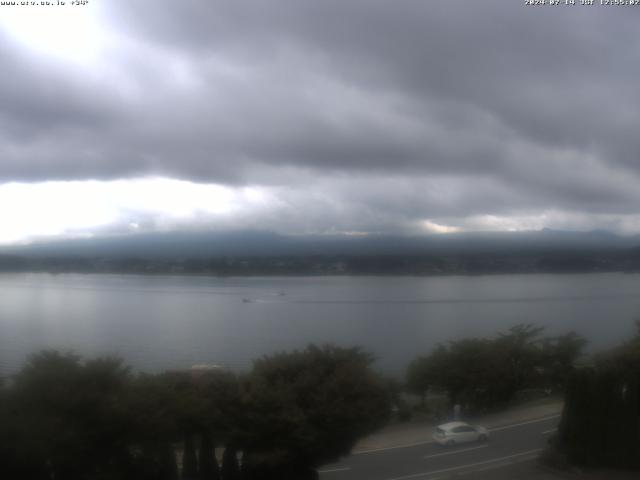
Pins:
x,y
318,117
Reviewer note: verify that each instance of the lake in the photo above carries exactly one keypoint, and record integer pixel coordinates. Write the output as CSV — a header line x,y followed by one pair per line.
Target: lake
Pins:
x,y
162,322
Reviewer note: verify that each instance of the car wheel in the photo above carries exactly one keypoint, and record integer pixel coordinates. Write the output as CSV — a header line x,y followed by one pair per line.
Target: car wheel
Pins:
x,y
482,438
451,443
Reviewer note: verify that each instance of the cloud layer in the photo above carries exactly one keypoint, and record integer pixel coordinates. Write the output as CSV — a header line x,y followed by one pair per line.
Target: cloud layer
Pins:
x,y
360,115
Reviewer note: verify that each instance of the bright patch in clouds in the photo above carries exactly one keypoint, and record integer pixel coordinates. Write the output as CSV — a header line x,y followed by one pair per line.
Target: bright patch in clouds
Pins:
x,y
67,32
54,209
48,210
431,227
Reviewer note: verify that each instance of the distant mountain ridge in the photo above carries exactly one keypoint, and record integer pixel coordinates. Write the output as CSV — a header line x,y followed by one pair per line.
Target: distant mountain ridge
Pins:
x,y
180,245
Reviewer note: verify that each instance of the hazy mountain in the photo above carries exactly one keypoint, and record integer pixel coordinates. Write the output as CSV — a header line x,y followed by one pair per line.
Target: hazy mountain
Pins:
x,y
255,243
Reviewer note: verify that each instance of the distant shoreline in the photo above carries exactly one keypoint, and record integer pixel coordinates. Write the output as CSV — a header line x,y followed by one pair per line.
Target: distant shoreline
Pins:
x,y
312,273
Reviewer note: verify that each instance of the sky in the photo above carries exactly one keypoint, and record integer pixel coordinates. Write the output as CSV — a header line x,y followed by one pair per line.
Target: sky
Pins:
x,y
317,117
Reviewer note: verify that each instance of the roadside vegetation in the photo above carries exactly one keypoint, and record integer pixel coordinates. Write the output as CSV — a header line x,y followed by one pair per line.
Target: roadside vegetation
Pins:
x,y
484,374
67,418
600,426
63,416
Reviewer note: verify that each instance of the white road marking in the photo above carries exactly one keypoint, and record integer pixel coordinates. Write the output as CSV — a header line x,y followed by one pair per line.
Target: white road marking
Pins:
x,y
332,470
384,449
456,451
496,465
469,465
524,423
547,432
427,442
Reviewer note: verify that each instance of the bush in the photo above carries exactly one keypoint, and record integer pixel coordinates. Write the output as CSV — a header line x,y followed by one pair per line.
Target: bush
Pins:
x,y
309,407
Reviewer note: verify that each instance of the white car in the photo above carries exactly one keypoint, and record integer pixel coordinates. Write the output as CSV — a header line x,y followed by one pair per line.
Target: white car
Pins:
x,y
454,433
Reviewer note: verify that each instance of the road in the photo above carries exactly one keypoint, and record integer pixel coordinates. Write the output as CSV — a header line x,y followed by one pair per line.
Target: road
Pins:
x,y
507,445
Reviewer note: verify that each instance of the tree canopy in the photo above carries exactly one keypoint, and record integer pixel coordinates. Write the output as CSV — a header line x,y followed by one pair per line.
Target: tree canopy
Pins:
x,y
65,417
309,407
600,423
486,373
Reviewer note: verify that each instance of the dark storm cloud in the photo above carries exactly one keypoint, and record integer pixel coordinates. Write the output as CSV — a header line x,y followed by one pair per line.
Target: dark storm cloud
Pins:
x,y
36,98
506,108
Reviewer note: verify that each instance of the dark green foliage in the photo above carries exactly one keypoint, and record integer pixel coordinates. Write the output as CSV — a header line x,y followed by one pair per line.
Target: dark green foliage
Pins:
x,y
485,373
600,421
157,462
63,417
558,355
402,410
71,416
574,429
169,467
189,460
208,465
223,409
230,468
266,468
518,352
16,460
420,378
153,409
309,407
88,420
600,425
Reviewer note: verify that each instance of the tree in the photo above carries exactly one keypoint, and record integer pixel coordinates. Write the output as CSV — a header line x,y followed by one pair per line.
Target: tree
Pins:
x,y
520,355
230,467
419,378
65,417
486,373
11,465
469,370
308,408
208,465
222,410
599,425
69,417
154,422
559,355
189,460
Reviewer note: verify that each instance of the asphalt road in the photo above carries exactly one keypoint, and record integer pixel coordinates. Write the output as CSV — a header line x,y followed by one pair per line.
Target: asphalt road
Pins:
x,y
508,445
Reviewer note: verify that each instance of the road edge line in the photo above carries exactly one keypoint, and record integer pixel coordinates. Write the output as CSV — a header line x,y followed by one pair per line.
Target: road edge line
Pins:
x,y
462,467
427,442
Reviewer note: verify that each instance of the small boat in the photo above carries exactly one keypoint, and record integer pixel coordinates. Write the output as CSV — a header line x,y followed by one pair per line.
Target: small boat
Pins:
x,y
246,300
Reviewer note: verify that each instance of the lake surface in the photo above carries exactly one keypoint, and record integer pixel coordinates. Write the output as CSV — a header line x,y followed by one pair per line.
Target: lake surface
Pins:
x,y
161,322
